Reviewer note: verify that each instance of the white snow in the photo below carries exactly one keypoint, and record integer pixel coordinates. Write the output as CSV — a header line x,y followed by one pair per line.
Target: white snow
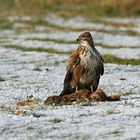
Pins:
x,y
41,74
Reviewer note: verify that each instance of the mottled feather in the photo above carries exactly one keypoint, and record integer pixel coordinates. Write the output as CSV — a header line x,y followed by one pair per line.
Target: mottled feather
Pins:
x,y
84,66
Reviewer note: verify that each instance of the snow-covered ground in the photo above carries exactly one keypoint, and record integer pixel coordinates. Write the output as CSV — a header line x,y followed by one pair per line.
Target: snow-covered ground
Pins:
x,y
41,74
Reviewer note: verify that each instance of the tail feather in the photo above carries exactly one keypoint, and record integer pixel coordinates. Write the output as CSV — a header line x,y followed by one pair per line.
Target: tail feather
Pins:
x,y
66,91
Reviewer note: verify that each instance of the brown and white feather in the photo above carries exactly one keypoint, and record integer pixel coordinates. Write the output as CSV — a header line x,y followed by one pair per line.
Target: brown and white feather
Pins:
x,y
84,67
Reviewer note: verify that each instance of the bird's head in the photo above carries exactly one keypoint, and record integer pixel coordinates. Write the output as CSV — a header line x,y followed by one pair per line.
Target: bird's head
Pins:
x,y
85,39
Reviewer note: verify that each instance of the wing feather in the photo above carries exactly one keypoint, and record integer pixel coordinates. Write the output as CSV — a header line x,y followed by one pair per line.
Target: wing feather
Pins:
x,y
102,69
73,61
101,61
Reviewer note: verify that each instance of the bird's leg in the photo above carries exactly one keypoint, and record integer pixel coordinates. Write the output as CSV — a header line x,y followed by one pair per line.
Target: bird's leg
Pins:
x,y
76,88
91,88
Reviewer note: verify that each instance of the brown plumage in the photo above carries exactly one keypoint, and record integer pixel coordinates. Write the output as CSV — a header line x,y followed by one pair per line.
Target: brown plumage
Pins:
x,y
84,66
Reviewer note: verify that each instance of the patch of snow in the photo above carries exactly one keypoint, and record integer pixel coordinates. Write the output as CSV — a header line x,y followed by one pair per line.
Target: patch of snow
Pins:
x,y
42,44
81,23
19,18
129,53
75,23
42,75
116,40
123,20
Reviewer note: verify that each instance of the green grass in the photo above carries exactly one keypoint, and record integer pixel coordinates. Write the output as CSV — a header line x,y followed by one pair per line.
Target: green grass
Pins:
x,y
70,8
111,23
40,22
5,24
1,79
116,60
114,133
127,93
57,120
114,47
48,50
132,33
61,41
107,58
37,68
6,109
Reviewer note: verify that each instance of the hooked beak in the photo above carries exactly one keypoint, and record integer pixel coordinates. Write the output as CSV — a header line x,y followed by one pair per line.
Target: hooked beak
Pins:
x,y
78,40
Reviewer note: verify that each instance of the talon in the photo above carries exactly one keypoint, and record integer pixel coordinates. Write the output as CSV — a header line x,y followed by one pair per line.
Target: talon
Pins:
x,y
76,89
91,89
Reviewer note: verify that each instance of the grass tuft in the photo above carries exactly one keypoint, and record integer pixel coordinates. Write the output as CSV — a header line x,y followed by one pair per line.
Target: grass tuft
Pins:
x,y
116,60
56,120
4,24
1,79
70,8
76,29
6,109
61,41
114,47
48,50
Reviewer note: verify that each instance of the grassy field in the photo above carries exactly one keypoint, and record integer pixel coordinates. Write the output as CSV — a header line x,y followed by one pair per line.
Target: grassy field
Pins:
x,y
37,38
107,58
70,8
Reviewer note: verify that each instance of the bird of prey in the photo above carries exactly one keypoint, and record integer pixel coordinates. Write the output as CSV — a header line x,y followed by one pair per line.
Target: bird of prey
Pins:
x,y
84,67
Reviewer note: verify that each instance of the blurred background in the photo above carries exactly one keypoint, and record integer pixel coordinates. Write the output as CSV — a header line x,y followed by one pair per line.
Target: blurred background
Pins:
x,y
89,9
71,8
113,23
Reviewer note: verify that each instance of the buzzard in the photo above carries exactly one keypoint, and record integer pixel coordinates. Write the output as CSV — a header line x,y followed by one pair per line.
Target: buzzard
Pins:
x,y
84,67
